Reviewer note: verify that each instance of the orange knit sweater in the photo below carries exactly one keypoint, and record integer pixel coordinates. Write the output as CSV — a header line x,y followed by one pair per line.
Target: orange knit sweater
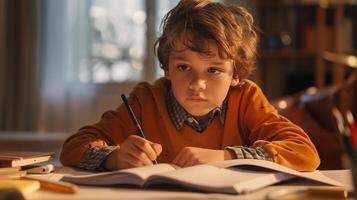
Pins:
x,y
250,121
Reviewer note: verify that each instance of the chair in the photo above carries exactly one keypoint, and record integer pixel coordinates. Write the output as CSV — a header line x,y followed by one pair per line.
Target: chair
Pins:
x,y
312,110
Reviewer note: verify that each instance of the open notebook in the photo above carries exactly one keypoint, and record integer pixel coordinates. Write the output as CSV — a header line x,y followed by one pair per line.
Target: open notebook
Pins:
x,y
231,176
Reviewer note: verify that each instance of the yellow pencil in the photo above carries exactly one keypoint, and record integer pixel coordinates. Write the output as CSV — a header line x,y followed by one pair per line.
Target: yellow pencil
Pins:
x,y
331,192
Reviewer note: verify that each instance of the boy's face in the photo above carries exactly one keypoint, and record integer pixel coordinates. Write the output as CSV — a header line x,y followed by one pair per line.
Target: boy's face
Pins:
x,y
199,82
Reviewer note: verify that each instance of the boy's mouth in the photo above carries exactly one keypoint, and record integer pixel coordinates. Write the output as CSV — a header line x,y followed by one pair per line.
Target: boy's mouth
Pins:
x,y
196,98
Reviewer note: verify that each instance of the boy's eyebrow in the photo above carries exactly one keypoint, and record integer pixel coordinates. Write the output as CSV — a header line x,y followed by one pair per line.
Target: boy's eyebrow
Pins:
x,y
183,58
217,63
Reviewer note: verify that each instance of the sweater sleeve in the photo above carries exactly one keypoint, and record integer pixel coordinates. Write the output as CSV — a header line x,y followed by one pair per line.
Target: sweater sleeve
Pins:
x,y
286,142
111,130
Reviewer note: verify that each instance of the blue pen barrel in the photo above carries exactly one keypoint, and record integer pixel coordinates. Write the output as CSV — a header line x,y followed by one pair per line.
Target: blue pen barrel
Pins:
x,y
139,130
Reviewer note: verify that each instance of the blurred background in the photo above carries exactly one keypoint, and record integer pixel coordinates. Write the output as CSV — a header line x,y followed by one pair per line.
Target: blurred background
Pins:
x,y
64,62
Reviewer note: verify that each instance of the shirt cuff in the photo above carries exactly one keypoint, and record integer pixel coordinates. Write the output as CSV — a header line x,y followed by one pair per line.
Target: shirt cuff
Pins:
x,y
95,157
249,153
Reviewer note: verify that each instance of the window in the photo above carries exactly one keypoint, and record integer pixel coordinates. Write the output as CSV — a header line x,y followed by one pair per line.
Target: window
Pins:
x,y
117,35
117,42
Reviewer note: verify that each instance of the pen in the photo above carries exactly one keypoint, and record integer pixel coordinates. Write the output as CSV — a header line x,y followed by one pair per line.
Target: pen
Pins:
x,y
352,126
139,130
345,133
55,185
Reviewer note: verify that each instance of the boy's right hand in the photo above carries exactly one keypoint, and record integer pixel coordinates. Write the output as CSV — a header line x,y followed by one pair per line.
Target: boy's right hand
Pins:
x,y
135,151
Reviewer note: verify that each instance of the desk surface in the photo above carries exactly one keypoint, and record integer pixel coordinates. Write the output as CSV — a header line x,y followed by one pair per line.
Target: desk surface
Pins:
x,y
111,193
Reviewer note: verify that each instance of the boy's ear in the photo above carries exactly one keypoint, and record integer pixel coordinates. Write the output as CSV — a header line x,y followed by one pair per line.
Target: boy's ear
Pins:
x,y
234,82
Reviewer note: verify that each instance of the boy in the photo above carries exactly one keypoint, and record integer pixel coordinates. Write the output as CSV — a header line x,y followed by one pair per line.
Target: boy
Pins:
x,y
204,109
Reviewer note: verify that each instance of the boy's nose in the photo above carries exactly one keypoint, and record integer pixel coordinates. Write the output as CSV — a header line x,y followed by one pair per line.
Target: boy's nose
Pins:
x,y
197,84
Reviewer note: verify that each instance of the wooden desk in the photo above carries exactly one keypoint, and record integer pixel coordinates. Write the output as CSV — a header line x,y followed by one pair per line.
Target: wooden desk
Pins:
x,y
111,193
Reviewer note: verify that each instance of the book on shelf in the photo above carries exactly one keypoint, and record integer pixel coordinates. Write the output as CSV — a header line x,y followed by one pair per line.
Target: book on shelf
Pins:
x,y
22,158
232,176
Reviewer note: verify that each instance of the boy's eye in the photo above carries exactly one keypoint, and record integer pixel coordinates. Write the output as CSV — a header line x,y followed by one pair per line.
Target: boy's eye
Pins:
x,y
183,68
213,70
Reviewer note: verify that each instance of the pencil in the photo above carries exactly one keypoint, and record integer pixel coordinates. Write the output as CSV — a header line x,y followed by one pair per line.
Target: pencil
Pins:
x,y
55,186
139,130
331,192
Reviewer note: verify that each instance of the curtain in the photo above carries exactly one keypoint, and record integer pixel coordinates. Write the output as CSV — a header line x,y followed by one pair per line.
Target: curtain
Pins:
x,y
19,64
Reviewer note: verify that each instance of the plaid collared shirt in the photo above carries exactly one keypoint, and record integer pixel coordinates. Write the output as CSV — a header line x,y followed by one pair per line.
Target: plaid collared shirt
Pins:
x,y
96,156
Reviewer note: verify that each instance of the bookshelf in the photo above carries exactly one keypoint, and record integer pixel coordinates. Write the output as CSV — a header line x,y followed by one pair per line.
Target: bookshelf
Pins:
x,y
295,34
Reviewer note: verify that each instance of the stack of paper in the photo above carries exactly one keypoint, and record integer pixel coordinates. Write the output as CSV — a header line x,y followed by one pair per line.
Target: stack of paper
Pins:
x,y
11,172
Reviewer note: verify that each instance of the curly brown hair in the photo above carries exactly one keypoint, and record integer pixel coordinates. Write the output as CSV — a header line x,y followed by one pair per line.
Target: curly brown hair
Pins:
x,y
196,23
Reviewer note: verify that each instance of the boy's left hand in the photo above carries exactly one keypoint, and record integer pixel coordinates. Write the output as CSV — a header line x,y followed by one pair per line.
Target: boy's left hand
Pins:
x,y
190,156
